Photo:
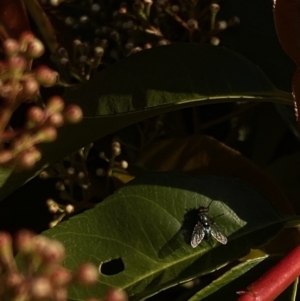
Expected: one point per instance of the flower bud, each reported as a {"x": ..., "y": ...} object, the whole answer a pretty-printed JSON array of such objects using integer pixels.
[
  {"x": 214, "y": 41},
  {"x": 116, "y": 295},
  {"x": 5, "y": 156},
  {"x": 87, "y": 274},
  {"x": 45, "y": 134},
  {"x": 124, "y": 164},
  {"x": 53, "y": 253},
  {"x": 25, "y": 38},
  {"x": 45, "y": 76},
  {"x": 24, "y": 241},
  {"x": 73, "y": 114},
  {"x": 55, "y": 104},
  {"x": 16, "y": 66},
  {"x": 69, "y": 209},
  {"x": 56, "y": 120},
  {"x": 214, "y": 7},
  {"x": 11, "y": 47},
  {"x": 44, "y": 175},
  {"x": 55, "y": 2},
  {"x": 116, "y": 148},
  {"x": 30, "y": 87},
  {"x": 52, "y": 206},
  {"x": 192, "y": 24},
  {"x": 27, "y": 159},
  {"x": 98, "y": 51},
  {"x": 40, "y": 288},
  {"x": 60, "y": 277},
  {"x": 35, "y": 49},
  {"x": 35, "y": 116},
  {"x": 221, "y": 25}
]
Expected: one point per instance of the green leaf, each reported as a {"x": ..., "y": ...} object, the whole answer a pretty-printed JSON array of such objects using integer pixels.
[
  {"x": 239, "y": 278},
  {"x": 150, "y": 83},
  {"x": 227, "y": 278},
  {"x": 147, "y": 225}
]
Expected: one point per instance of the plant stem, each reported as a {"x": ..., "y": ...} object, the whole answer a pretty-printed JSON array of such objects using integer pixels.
[{"x": 276, "y": 280}]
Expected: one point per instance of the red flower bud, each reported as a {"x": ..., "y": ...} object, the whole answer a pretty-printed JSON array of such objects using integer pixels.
[
  {"x": 35, "y": 48},
  {"x": 87, "y": 274},
  {"x": 11, "y": 47},
  {"x": 45, "y": 76},
  {"x": 73, "y": 114}
]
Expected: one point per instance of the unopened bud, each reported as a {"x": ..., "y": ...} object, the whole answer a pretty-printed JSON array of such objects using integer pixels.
[
  {"x": 221, "y": 25},
  {"x": 55, "y": 104},
  {"x": 116, "y": 148},
  {"x": 214, "y": 41},
  {"x": 5, "y": 156},
  {"x": 60, "y": 277},
  {"x": 45, "y": 76},
  {"x": 40, "y": 288},
  {"x": 147, "y": 46},
  {"x": 16, "y": 65},
  {"x": 28, "y": 159},
  {"x": 53, "y": 253},
  {"x": 124, "y": 164},
  {"x": 98, "y": 51},
  {"x": 162, "y": 43},
  {"x": 44, "y": 175},
  {"x": 214, "y": 7},
  {"x": 84, "y": 19},
  {"x": 116, "y": 295},
  {"x": 35, "y": 115},
  {"x": 87, "y": 274},
  {"x": 71, "y": 171},
  {"x": 52, "y": 206},
  {"x": 69, "y": 209},
  {"x": 35, "y": 49},
  {"x": 11, "y": 47},
  {"x": 192, "y": 24},
  {"x": 25, "y": 38},
  {"x": 24, "y": 241},
  {"x": 30, "y": 87},
  {"x": 56, "y": 120},
  {"x": 45, "y": 134},
  {"x": 73, "y": 114}
]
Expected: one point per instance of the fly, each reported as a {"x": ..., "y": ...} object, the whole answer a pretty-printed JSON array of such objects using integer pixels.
[{"x": 206, "y": 228}]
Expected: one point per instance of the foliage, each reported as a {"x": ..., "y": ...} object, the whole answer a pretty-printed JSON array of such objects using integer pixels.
[{"x": 185, "y": 86}]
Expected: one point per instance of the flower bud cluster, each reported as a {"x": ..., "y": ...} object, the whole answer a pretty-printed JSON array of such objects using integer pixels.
[
  {"x": 113, "y": 33},
  {"x": 42, "y": 277},
  {"x": 41, "y": 127},
  {"x": 59, "y": 211},
  {"x": 112, "y": 163},
  {"x": 19, "y": 84}
]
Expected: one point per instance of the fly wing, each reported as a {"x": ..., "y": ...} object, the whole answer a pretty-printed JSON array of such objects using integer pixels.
[
  {"x": 217, "y": 234},
  {"x": 197, "y": 235}
]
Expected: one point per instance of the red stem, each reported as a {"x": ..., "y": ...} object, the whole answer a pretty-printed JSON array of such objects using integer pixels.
[{"x": 276, "y": 280}]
